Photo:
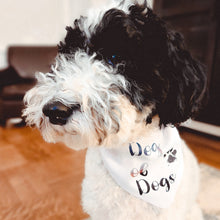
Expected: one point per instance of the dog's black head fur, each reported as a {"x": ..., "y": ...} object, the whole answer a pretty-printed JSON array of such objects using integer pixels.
[{"x": 152, "y": 58}]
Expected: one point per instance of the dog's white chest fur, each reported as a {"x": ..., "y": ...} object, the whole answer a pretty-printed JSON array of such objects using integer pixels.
[{"x": 149, "y": 168}]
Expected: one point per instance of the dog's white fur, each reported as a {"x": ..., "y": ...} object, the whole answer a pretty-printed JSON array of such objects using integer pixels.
[{"x": 79, "y": 78}]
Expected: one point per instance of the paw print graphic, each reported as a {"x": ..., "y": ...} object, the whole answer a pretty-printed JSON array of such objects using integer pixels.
[{"x": 170, "y": 155}]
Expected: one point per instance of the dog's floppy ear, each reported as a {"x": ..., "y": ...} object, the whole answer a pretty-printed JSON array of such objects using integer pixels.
[
  {"x": 177, "y": 80},
  {"x": 185, "y": 82}
]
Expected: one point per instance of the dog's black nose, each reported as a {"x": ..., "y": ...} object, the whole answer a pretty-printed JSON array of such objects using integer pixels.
[{"x": 58, "y": 113}]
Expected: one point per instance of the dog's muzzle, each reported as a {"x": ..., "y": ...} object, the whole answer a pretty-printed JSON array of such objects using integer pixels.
[{"x": 58, "y": 113}]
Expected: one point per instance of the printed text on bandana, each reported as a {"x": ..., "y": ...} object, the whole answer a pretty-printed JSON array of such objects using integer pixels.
[
  {"x": 150, "y": 168},
  {"x": 141, "y": 174}
]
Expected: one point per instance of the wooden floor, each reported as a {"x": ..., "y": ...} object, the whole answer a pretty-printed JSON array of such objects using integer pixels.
[
  {"x": 43, "y": 181},
  {"x": 38, "y": 180},
  {"x": 206, "y": 149}
]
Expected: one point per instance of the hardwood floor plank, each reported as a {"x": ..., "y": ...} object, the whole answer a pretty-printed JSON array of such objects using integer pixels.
[
  {"x": 10, "y": 157},
  {"x": 206, "y": 149},
  {"x": 8, "y": 196}
]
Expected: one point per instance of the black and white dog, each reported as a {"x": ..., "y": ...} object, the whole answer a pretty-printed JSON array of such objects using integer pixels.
[{"x": 120, "y": 84}]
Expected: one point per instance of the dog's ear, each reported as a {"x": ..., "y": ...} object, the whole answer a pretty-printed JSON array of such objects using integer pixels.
[
  {"x": 185, "y": 82},
  {"x": 177, "y": 80}
]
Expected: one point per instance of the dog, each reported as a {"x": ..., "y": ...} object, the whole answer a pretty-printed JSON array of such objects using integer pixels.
[{"x": 121, "y": 83}]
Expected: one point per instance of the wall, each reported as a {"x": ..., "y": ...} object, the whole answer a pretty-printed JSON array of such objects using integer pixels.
[{"x": 37, "y": 22}]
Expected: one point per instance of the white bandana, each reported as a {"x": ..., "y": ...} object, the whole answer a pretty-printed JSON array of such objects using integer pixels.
[{"x": 150, "y": 168}]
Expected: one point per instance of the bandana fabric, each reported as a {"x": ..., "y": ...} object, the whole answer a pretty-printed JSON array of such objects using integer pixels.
[{"x": 150, "y": 168}]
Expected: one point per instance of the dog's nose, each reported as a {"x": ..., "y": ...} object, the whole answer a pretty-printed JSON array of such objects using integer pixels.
[{"x": 58, "y": 113}]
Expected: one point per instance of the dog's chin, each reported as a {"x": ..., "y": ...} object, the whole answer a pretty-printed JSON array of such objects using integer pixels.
[{"x": 67, "y": 134}]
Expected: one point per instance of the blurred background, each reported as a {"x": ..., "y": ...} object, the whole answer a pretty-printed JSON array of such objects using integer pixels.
[
  {"x": 30, "y": 31},
  {"x": 35, "y": 182}
]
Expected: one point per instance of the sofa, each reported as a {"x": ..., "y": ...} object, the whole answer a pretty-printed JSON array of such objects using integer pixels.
[{"x": 19, "y": 77}]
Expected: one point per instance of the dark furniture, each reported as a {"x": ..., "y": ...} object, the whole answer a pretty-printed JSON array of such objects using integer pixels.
[
  {"x": 198, "y": 21},
  {"x": 20, "y": 77}
]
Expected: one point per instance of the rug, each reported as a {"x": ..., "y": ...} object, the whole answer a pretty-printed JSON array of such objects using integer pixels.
[{"x": 209, "y": 196}]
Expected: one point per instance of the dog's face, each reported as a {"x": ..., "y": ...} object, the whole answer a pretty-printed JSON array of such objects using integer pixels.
[{"x": 116, "y": 68}]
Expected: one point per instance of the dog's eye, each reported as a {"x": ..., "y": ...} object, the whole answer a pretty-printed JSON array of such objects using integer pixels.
[{"x": 112, "y": 60}]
